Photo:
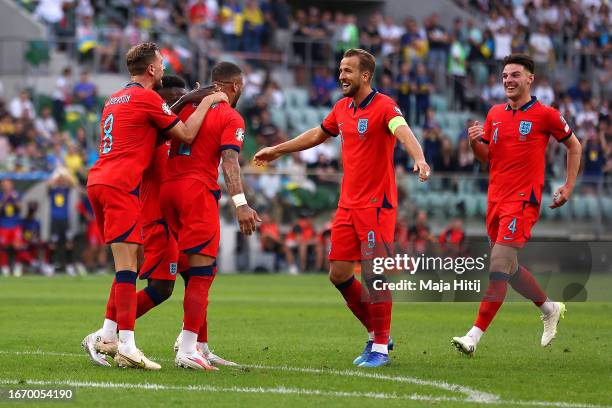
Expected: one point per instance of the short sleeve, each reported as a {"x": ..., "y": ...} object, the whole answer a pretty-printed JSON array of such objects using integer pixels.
[
  {"x": 233, "y": 132},
  {"x": 393, "y": 116},
  {"x": 486, "y": 137},
  {"x": 557, "y": 125},
  {"x": 330, "y": 123},
  {"x": 159, "y": 112}
]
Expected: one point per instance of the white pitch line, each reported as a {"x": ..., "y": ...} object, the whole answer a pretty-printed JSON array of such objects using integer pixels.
[
  {"x": 470, "y": 393},
  {"x": 247, "y": 390},
  {"x": 490, "y": 399}
]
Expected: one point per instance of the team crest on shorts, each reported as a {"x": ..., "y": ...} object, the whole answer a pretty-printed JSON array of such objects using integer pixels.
[
  {"x": 362, "y": 126},
  {"x": 525, "y": 127},
  {"x": 173, "y": 268}
]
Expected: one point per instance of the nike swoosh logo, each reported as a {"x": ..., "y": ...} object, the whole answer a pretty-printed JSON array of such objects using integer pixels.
[
  {"x": 340, "y": 124},
  {"x": 139, "y": 364},
  {"x": 507, "y": 239},
  {"x": 496, "y": 123}
]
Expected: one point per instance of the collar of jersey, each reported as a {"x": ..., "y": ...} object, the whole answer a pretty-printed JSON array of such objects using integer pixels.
[
  {"x": 525, "y": 106},
  {"x": 366, "y": 101},
  {"x": 131, "y": 84}
]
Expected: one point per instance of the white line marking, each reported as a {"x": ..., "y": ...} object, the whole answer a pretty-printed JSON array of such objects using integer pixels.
[{"x": 472, "y": 395}]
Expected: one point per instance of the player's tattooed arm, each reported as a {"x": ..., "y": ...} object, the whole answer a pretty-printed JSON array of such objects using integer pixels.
[{"x": 247, "y": 217}]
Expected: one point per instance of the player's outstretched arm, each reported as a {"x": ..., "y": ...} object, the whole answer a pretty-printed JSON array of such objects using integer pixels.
[
  {"x": 574, "y": 153},
  {"x": 404, "y": 134},
  {"x": 306, "y": 140},
  {"x": 186, "y": 132},
  {"x": 247, "y": 217},
  {"x": 480, "y": 149}
]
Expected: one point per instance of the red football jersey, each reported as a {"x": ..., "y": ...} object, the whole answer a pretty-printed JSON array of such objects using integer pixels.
[
  {"x": 367, "y": 150},
  {"x": 130, "y": 121},
  {"x": 223, "y": 128},
  {"x": 152, "y": 178},
  {"x": 517, "y": 142}
]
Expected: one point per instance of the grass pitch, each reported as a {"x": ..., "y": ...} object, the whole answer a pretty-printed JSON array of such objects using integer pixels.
[{"x": 297, "y": 340}]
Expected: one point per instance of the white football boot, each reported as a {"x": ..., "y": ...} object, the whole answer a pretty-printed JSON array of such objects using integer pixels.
[
  {"x": 6, "y": 271},
  {"x": 195, "y": 361},
  {"x": 89, "y": 345},
  {"x": 218, "y": 361},
  {"x": 18, "y": 270},
  {"x": 465, "y": 344},
  {"x": 550, "y": 323},
  {"x": 135, "y": 360}
]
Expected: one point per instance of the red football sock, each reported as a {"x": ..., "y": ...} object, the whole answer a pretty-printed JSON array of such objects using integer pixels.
[
  {"x": 525, "y": 284},
  {"x": 111, "y": 310},
  {"x": 203, "y": 333},
  {"x": 492, "y": 300},
  {"x": 144, "y": 300},
  {"x": 196, "y": 297},
  {"x": 358, "y": 300},
  {"x": 3, "y": 258},
  {"x": 125, "y": 299},
  {"x": 381, "y": 321}
]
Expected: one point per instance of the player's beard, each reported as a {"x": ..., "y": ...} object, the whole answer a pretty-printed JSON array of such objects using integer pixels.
[
  {"x": 351, "y": 91},
  {"x": 236, "y": 98}
]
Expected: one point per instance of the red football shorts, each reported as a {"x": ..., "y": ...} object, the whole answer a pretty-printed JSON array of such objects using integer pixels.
[
  {"x": 510, "y": 223},
  {"x": 191, "y": 210},
  {"x": 364, "y": 233},
  {"x": 161, "y": 254},
  {"x": 117, "y": 214},
  {"x": 11, "y": 236}
]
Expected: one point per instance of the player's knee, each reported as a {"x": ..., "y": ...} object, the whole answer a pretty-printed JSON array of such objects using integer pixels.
[
  {"x": 339, "y": 274},
  {"x": 163, "y": 289}
]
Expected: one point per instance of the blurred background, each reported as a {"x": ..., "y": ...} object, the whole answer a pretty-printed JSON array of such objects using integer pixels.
[{"x": 440, "y": 60}]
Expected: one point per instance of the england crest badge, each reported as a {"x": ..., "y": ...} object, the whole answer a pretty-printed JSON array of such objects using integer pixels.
[
  {"x": 362, "y": 126},
  {"x": 525, "y": 127}
]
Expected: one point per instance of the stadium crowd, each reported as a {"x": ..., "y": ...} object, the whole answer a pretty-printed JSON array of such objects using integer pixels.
[{"x": 569, "y": 40}]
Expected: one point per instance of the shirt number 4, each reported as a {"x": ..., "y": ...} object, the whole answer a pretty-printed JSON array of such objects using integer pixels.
[{"x": 107, "y": 140}]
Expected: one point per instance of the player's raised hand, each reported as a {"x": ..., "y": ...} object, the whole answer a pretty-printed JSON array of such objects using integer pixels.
[
  {"x": 423, "y": 169},
  {"x": 216, "y": 98},
  {"x": 561, "y": 196},
  {"x": 247, "y": 219},
  {"x": 265, "y": 155},
  {"x": 475, "y": 132}
]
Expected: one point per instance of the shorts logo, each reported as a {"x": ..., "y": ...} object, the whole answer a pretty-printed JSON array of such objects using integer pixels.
[
  {"x": 525, "y": 128},
  {"x": 240, "y": 134},
  {"x": 173, "y": 268},
  {"x": 362, "y": 126},
  {"x": 166, "y": 109}
]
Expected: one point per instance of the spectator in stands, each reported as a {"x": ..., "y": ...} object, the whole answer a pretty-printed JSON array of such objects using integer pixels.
[
  {"x": 369, "y": 38},
  {"x": 267, "y": 133},
  {"x": 439, "y": 43},
  {"x": 503, "y": 43},
  {"x": 587, "y": 115},
  {"x": 419, "y": 235},
  {"x": 493, "y": 93},
  {"x": 253, "y": 26},
  {"x": 62, "y": 95},
  {"x": 387, "y": 87},
  {"x": 323, "y": 84},
  {"x": 323, "y": 247},
  {"x": 33, "y": 244},
  {"x": 430, "y": 120},
  {"x": 302, "y": 240},
  {"x": 544, "y": 92},
  {"x": 447, "y": 162},
  {"x": 594, "y": 160},
  {"x": 232, "y": 20},
  {"x": 85, "y": 92},
  {"x": 403, "y": 85},
  {"x": 348, "y": 36},
  {"x": 95, "y": 254},
  {"x": 280, "y": 16},
  {"x": 272, "y": 242},
  {"x": 108, "y": 48},
  {"x": 73, "y": 160},
  {"x": 432, "y": 147},
  {"x": 390, "y": 34},
  {"x": 413, "y": 45},
  {"x": 45, "y": 124},
  {"x": 452, "y": 239},
  {"x": 457, "y": 69},
  {"x": 86, "y": 37},
  {"x": 465, "y": 156},
  {"x": 21, "y": 107},
  {"x": 541, "y": 48},
  {"x": 423, "y": 87}
]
